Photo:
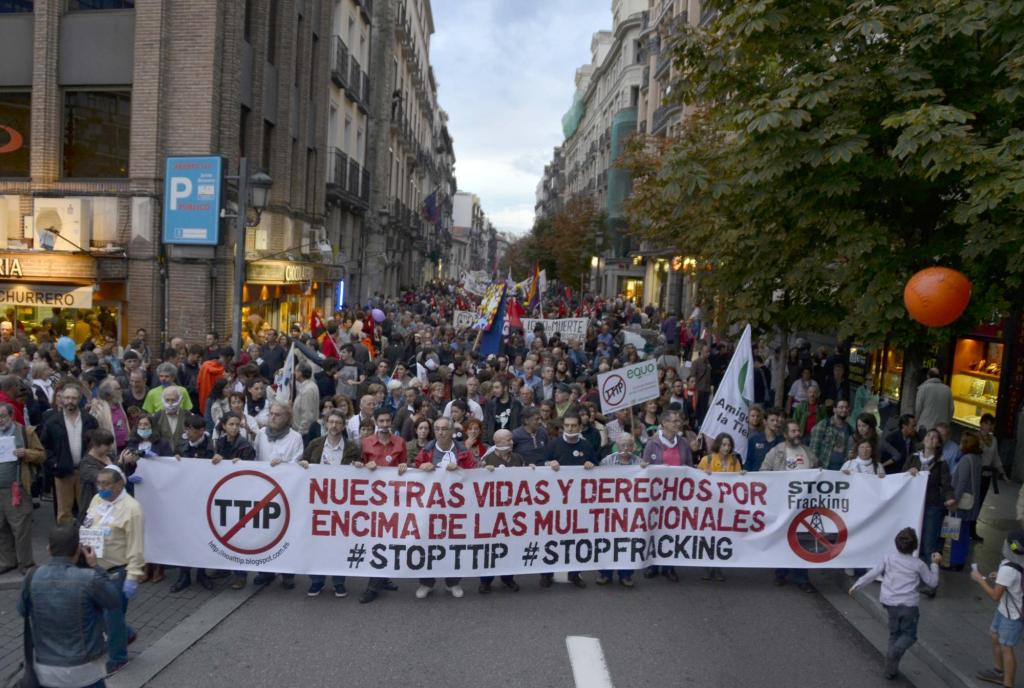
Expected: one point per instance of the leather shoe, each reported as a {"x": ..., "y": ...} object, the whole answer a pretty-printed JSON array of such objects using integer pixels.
[
  {"x": 578, "y": 581},
  {"x": 182, "y": 583},
  {"x": 389, "y": 585},
  {"x": 545, "y": 581},
  {"x": 513, "y": 586},
  {"x": 484, "y": 588},
  {"x": 205, "y": 582},
  {"x": 367, "y": 597},
  {"x": 672, "y": 575}
]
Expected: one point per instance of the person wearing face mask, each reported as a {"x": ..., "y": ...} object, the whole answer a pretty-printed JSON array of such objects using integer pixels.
[
  {"x": 96, "y": 458},
  {"x": 444, "y": 453},
  {"x": 169, "y": 423},
  {"x": 167, "y": 374},
  {"x": 15, "y": 498},
  {"x": 570, "y": 449},
  {"x": 501, "y": 455},
  {"x": 117, "y": 518}
]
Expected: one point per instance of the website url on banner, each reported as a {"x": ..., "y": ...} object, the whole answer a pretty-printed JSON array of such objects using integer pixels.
[{"x": 247, "y": 561}]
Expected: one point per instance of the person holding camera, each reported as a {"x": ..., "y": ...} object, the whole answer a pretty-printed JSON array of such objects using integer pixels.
[{"x": 64, "y": 605}]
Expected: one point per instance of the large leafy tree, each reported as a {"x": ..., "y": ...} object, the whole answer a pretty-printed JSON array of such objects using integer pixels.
[
  {"x": 561, "y": 244},
  {"x": 834, "y": 148}
]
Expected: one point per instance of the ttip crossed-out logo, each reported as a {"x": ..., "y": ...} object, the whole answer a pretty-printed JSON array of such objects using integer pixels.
[{"x": 248, "y": 512}]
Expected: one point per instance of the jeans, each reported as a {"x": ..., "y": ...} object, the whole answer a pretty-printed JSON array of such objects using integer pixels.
[
  {"x": 118, "y": 630},
  {"x": 320, "y": 580},
  {"x": 931, "y": 532},
  {"x": 902, "y": 629},
  {"x": 798, "y": 576},
  {"x": 624, "y": 574},
  {"x": 507, "y": 580}
]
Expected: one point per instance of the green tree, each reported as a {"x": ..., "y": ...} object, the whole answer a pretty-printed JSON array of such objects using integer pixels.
[{"x": 834, "y": 149}]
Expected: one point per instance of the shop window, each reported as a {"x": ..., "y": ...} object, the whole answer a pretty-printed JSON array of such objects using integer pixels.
[
  {"x": 7, "y": 6},
  {"x": 15, "y": 122},
  {"x": 84, "y": 5},
  {"x": 977, "y": 369},
  {"x": 97, "y": 133}
]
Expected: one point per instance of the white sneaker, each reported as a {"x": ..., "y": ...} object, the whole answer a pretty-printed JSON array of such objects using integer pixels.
[
  {"x": 456, "y": 591},
  {"x": 422, "y": 592},
  {"x": 850, "y": 572}
]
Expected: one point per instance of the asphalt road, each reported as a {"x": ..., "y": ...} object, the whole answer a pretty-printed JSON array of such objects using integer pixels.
[{"x": 743, "y": 632}]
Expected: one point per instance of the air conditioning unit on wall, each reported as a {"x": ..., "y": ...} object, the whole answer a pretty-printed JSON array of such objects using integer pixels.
[{"x": 63, "y": 221}]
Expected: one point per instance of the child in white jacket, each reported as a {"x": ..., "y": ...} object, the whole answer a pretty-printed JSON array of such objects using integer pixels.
[{"x": 901, "y": 574}]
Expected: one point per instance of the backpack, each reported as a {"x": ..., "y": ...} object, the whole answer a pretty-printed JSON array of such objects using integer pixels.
[{"x": 1019, "y": 569}]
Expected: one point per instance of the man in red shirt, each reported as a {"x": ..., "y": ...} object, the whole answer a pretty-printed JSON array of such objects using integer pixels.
[{"x": 382, "y": 449}]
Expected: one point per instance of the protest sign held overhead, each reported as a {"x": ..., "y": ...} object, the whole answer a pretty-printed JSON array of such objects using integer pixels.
[{"x": 628, "y": 386}]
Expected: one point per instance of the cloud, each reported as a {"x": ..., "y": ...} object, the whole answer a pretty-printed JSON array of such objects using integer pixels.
[{"x": 505, "y": 71}]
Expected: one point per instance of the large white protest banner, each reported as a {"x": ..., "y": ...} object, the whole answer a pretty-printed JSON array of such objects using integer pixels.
[
  {"x": 348, "y": 521},
  {"x": 567, "y": 328},
  {"x": 729, "y": 408},
  {"x": 463, "y": 320},
  {"x": 625, "y": 387}
]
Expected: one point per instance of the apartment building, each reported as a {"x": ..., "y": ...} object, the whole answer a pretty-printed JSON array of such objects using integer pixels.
[
  {"x": 597, "y": 126},
  {"x": 411, "y": 158},
  {"x": 95, "y": 95}
]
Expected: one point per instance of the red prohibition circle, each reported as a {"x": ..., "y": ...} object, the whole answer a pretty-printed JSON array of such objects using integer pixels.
[
  {"x": 613, "y": 381},
  {"x": 832, "y": 549},
  {"x": 226, "y": 541}
]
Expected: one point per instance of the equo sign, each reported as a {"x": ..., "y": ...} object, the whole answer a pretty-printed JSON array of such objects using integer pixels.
[{"x": 628, "y": 386}]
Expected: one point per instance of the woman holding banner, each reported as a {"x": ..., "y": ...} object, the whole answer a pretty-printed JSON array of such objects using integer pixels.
[{"x": 720, "y": 460}]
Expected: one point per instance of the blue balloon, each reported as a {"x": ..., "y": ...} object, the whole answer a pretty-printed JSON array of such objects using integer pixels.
[{"x": 66, "y": 348}]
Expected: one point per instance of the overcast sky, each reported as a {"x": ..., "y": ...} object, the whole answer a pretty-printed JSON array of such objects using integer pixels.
[{"x": 505, "y": 72}]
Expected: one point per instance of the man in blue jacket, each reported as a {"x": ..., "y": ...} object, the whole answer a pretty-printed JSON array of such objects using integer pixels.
[{"x": 65, "y": 605}]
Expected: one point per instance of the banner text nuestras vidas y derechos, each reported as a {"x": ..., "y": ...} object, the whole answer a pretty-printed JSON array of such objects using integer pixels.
[{"x": 348, "y": 521}]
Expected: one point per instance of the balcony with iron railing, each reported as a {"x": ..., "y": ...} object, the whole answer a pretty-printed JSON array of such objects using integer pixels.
[
  {"x": 339, "y": 63},
  {"x": 337, "y": 174},
  {"x": 663, "y": 64},
  {"x": 355, "y": 82},
  {"x": 662, "y": 116}
]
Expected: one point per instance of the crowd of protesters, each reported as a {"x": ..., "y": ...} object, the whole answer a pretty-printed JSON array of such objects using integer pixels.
[{"x": 395, "y": 385}]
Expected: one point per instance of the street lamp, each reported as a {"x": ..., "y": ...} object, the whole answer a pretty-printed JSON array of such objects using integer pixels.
[{"x": 257, "y": 198}]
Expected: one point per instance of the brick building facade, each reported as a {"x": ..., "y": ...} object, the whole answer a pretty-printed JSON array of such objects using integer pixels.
[{"x": 100, "y": 98}]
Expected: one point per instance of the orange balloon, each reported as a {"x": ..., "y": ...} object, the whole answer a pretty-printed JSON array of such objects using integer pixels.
[{"x": 935, "y": 297}]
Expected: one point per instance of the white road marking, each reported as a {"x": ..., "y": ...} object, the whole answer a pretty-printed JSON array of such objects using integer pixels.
[{"x": 589, "y": 668}]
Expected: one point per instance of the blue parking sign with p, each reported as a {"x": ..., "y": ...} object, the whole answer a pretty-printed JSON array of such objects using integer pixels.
[{"x": 192, "y": 187}]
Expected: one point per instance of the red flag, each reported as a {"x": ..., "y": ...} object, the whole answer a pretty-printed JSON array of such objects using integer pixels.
[
  {"x": 315, "y": 323},
  {"x": 515, "y": 313},
  {"x": 327, "y": 347},
  {"x": 568, "y": 293},
  {"x": 562, "y": 310}
]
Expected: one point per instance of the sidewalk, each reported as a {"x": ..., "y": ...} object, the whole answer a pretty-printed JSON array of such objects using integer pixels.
[
  {"x": 153, "y": 613},
  {"x": 953, "y": 639}
]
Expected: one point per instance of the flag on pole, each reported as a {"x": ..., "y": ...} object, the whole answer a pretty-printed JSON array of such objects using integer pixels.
[
  {"x": 284, "y": 379},
  {"x": 490, "y": 342},
  {"x": 729, "y": 409}
]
